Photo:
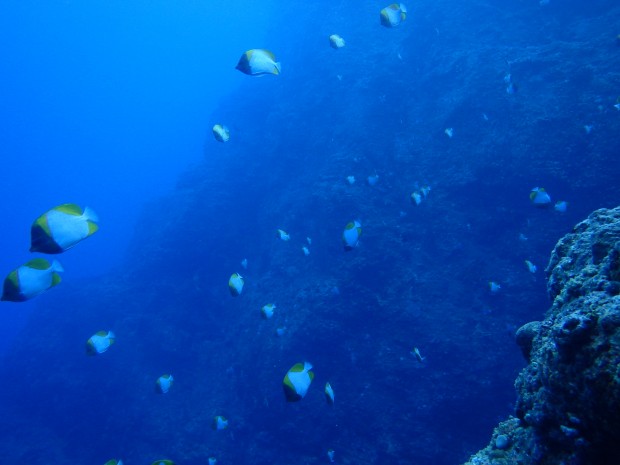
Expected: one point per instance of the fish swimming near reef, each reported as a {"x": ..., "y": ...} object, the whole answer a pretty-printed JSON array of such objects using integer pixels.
[
  {"x": 61, "y": 228},
  {"x": 258, "y": 62},
  {"x": 31, "y": 279}
]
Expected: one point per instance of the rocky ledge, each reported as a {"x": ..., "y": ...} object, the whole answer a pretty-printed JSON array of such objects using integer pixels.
[{"x": 568, "y": 405}]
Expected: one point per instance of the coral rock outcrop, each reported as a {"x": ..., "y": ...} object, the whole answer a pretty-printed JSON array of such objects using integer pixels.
[{"x": 568, "y": 406}]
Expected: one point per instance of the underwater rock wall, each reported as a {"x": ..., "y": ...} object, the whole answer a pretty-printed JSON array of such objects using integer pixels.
[
  {"x": 569, "y": 394},
  {"x": 419, "y": 278}
]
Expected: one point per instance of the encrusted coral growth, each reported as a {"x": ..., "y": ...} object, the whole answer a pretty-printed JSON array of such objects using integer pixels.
[{"x": 569, "y": 395}]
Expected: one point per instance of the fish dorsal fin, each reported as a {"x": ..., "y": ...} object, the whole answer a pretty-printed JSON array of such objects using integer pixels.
[
  {"x": 38, "y": 264},
  {"x": 101, "y": 333},
  {"x": 269, "y": 53},
  {"x": 298, "y": 367},
  {"x": 69, "y": 209}
]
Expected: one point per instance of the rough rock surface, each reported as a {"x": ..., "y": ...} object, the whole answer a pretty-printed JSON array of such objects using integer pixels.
[{"x": 568, "y": 403}]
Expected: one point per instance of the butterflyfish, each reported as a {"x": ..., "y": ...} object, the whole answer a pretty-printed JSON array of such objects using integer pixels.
[
  {"x": 221, "y": 133},
  {"x": 164, "y": 383},
  {"x": 235, "y": 284},
  {"x": 99, "y": 342},
  {"x": 61, "y": 228},
  {"x": 335, "y": 41},
  {"x": 393, "y": 15},
  {"x": 297, "y": 381},
  {"x": 257, "y": 62},
  {"x": 351, "y": 235},
  {"x": 329, "y": 394},
  {"x": 31, "y": 279},
  {"x": 219, "y": 423}
]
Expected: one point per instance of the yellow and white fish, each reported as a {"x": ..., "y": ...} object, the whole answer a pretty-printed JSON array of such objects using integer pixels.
[
  {"x": 329, "y": 394},
  {"x": 221, "y": 133},
  {"x": 100, "y": 342},
  {"x": 267, "y": 311},
  {"x": 335, "y": 41},
  {"x": 297, "y": 381},
  {"x": 61, "y": 228},
  {"x": 164, "y": 383},
  {"x": 114, "y": 462},
  {"x": 235, "y": 284},
  {"x": 530, "y": 266},
  {"x": 351, "y": 235},
  {"x": 31, "y": 279},
  {"x": 393, "y": 15},
  {"x": 539, "y": 197},
  {"x": 416, "y": 353},
  {"x": 257, "y": 62},
  {"x": 283, "y": 235},
  {"x": 219, "y": 423}
]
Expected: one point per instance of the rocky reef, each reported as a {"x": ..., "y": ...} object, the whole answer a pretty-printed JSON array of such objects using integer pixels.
[{"x": 569, "y": 394}]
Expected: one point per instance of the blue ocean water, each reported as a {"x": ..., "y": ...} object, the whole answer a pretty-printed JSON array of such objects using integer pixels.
[{"x": 110, "y": 105}]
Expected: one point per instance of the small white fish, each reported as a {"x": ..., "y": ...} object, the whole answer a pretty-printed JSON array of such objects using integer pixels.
[
  {"x": 485, "y": 117},
  {"x": 351, "y": 235},
  {"x": 281, "y": 330},
  {"x": 416, "y": 197},
  {"x": 221, "y": 133},
  {"x": 530, "y": 266},
  {"x": 339, "y": 76},
  {"x": 449, "y": 132},
  {"x": 235, "y": 284},
  {"x": 309, "y": 241},
  {"x": 351, "y": 179},
  {"x": 212, "y": 460},
  {"x": 540, "y": 197},
  {"x": 393, "y": 15},
  {"x": 329, "y": 394},
  {"x": 561, "y": 206},
  {"x": 297, "y": 381},
  {"x": 267, "y": 311},
  {"x": 494, "y": 287},
  {"x": 331, "y": 455},
  {"x": 372, "y": 179},
  {"x": 617, "y": 106},
  {"x": 100, "y": 342},
  {"x": 588, "y": 128},
  {"x": 283, "y": 235},
  {"x": 305, "y": 250},
  {"x": 416, "y": 353},
  {"x": 244, "y": 263},
  {"x": 219, "y": 423},
  {"x": 335, "y": 41},
  {"x": 522, "y": 237},
  {"x": 164, "y": 383},
  {"x": 257, "y": 62}
]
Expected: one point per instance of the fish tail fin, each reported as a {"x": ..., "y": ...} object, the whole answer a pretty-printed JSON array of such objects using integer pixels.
[
  {"x": 56, "y": 266},
  {"x": 307, "y": 366},
  {"x": 89, "y": 214},
  {"x": 278, "y": 67}
]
